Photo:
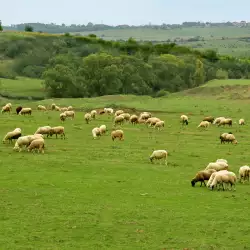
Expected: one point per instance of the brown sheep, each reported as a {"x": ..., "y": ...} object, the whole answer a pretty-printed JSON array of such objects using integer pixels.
[
  {"x": 133, "y": 119},
  {"x": 209, "y": 119},
  {"x": 18, "y": 109},
  {"x": 117, "y": 134},
  {"x": 202, "y": 176}
]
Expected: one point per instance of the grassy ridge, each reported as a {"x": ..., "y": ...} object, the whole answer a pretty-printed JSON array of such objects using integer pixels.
[{"x": 98, "y": 194}]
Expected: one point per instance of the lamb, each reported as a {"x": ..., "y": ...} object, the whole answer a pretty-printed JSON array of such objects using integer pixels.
[
  {"x": 93, "y": 113},
  {"x": 63, "y": 117},
  {"x": 117, "y": 134},
  {"x": 37, "y": 144},
  {"x": 25, "y": 111},
  {"x": 218, "y": 120},
  {"x": 18, "y": 109},
  {"x": 119, "y": 120},
  {"x": 227, "y": 121},
  {"x": 5, "y": 109},
  {"x": 103, "y": 129},
  {"x": 70, "y": 114},
  {"x": 133, "y": 119},
  {"x": 209, "y": 119},
  {"x": 217, "y": 166},
  {"x": 119, "y": 112},
  {"x": 204, "y": 124},
  {"x": 241, "y": 122},
  {"x": 70, "y": 108},
  {"x": 184, "y": 119},
  {"x": 159, "y": 125},
  {"x": 159, "y": 154},
  {"x": 108, "y": 111},
  {"x": 244, "y": 173},
  {"x": 43, "y": 130},
  {"x": 87, "y": 117},
  {"x": 25, "y": 141},
  {"x": 96, "y": 132},
  {"x": 13, "y": 135},
  {"x": 201, "y": 176},
  {"x": 41, "y": 107},
  {"x": 59, "y": 130},
  {"x": 221, "y": 178}
]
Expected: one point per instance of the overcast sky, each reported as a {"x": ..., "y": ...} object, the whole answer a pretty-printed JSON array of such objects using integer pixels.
[{"x": 114, "y": 12}]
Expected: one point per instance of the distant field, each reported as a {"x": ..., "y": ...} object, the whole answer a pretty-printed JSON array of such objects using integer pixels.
[
  {"x": 227, "y": 82},
  {"x": 22, "y": 87},
  {"x": 161, "y": 35}
]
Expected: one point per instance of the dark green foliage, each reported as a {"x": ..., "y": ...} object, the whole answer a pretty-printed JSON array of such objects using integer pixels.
[
  {"x": 77, "y": 66},
  {"x": 1, "y": 27},
  {"x": 28, "y": 28}
]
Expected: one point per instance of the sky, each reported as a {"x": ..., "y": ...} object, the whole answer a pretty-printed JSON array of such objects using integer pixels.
[{"x": 115, "y": 12}]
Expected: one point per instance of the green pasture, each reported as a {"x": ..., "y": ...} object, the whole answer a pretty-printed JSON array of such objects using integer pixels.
[{"x": 99, "y": 194}]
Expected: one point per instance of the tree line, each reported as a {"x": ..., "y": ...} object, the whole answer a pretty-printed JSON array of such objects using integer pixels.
[{"x": 73, "y": 66}]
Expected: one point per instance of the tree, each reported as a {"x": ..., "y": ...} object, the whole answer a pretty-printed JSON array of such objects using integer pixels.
[
  {"x": 1, "y": 27},
  {"x": 28, "y": 28}
]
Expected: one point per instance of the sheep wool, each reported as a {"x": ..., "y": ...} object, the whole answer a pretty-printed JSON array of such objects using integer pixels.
[{"x": 159, "y": 154}]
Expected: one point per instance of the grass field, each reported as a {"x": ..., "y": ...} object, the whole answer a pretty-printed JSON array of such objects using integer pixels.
[
  {"x": 22, "y": 87},
  {"x": 99, "y": 194}
]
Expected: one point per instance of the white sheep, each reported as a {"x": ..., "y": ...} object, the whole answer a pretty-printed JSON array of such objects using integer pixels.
[
  {"x": 204, "y": 124},
  {"x": 13, "y": 135},
  {"x": 244, "y": 173},
  {"x": 87, "y": 117},
  {"x": 152, "y": 121},
  {"x": 241, "y": 122},
  {"x": 108, "y": 111},
  {"x": 126, "y": 116},
  {"x": 70, "y": 108},
  {"x": 103, "y": 129},
  {"x": 218, "y": 120},
  {"x": 184, "y": 119},
  {"x": 41, "y": 107},
  {"x": 6, "y": 109},
  {"x": 159, "y": 125},
  {"x": 70, "y": 113},
  {"x": 119, "y": 112},
  {"x": 93, "y": 113},
  {"x": 45, "y": 130},
  {"x": 96, "y": 132},
  {"x": 59, "y": 130},
  {"x": 117, "y": 134},
  {"x": 221, "y": 178},
  {"x": 231, "y": 138},
  {"x": 25, "y": 141},
  {"x": 221, "y": 160},
  {"x": 37, "y": 144},
  {"x": 63, "y": 117},
  {"x": 226, "y": 121},
  {"x": 25, "y": 111},
  {"x": 217, "y": 166},
  {"x": 133, "y": 119},
  {"x": 159, "y": 154},
  {"x": 119, "y": 120}
]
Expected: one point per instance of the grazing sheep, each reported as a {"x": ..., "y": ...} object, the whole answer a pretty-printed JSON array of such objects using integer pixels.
[
  {"x": 159, "y": 154},
  {"x": 9, "y": 105},
  {"x": 18, "y": 109},
  {"x": 202, "y": 176},
  {"x": 184, "y": 119},
  {"x": 45, "y": 130},
  {"x": 152, "y": 121},
  {"x": 87, "y": 117},
  {"x": 227, "y": 121},
  {"x": 57, "y": 108},
  {"x": 218, "y": 120},
  {"x": 53, "y": 106},
  {"x": 217, "y": 166},
  {"x": 133, "y": 119},
  {"x": 59, "y": 130},
  {"x": 108, "y": 111},
  {"x": 204, "y": 124},
  {"x": 223, "y": 137},
  {"x": 70, "y": 114},
  {"x": 244, "y": 173},
  {"x": 101, "y": 112},
  {"x": 221, "y": 160},
  {"x": 103, "y": 129},
  {"x": 93, "y": 113},
  {"x": 119, "y": 112},
  {"x": 6, "y": 109},
  {"x": 145, "y": 115},
  {"x": 37, "y": 144},
  {"x": 141, "y": 121},
  {"x": 117, "y": 134},
  {"x": 25, "y": 111},
  {"x": 126, "y": 116},
  {"x": 221, "y": 178},
  {"x": 63, "y": 117},
  {"x": 241, "y": 122},
  {"x": 159, "y": 125},
  {"x": 119, "y": 120},
  {"x": 209, "y": 119},
  {"x": 231, "y": 138},
  {"x": 70, "y": 108},
  {"x": 25, "y": 141},
  {"x": 41, "y": 107},
  {"x": 63, "y": 109},
  {"x": 13, "y": 135},
  {"x": 96, "y": 132},
  {"x": 213, "y": 175}
]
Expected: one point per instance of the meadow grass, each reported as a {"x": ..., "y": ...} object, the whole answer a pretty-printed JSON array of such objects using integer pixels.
[
  {"x": 22, "y": 87},
  {"x": 99, "y": 194}
]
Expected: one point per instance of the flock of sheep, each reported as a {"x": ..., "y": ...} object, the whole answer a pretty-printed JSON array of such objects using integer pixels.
[{"x": 216, "y": 173}]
